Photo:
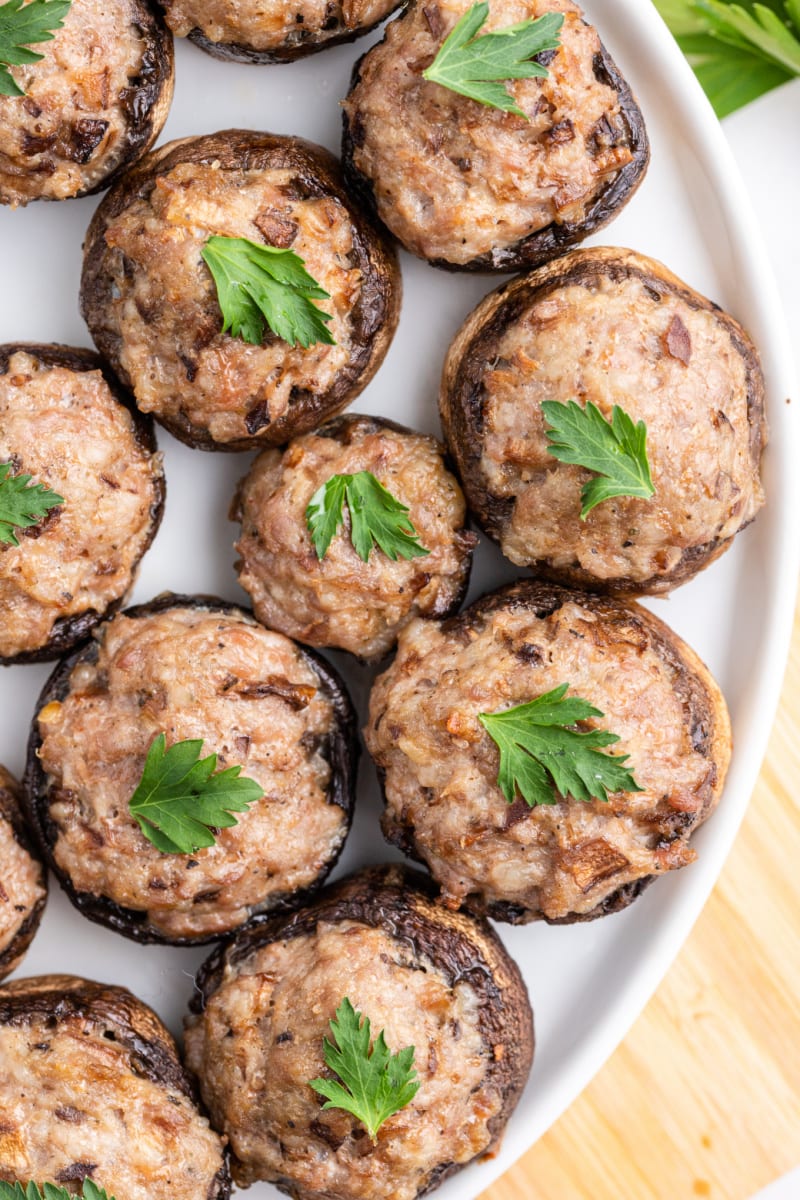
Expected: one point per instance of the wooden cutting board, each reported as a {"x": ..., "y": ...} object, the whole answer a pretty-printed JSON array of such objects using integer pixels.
[{"x": 703, "y": 1096}]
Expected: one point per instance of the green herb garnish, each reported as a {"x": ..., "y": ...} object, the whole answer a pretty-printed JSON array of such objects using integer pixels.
[
  {"x": 22, "y": 26},
  {"x": 258, "y": 284},
  {"x": 22, "y": 506},
  {"x": 479, "y": 67},
  {"x": 50, "y": 1191},
  {"x": 376, "y": 517},
  {"x": 540, "y": 750},
  {"x": 738, "y": 50},
  {"x": 180, "y": 800},
  {"x": 375, "y": 1083},
  {"x": 615, "y": 450}
]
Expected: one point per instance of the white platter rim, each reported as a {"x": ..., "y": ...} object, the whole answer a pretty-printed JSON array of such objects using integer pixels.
[{"x": 693, "y": 111}]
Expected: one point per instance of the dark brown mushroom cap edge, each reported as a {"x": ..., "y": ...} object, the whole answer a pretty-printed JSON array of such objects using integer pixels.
[
  {"x": 69, "y": 631},
  {"x": 401, "y": 902},
  {"x": 10, "y": 811},
  {"x": 341, "y": 752},
  {"x": 554, "y": 239},
  {"x": 705, "y": 720},
  {"x": 318, "y": 173},
  {"x": 309, "y": 43},
  {"x": 132, "y": 1023},
  {"x": 148, "y": 98},
  {"x": 461, "y": 397}
]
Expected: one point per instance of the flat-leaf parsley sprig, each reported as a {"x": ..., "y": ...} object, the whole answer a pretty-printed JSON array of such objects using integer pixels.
[
  {"x": 541, "y": 753},
  {"x": 738, "y": 50},
  {"x": 180, "y": 800},
  {"x": 258, "y": 284},
  {"x": 376, "y": 517},
  {"x": 375, "y": 1084},
  {"x": 479, "y": 67},
  {"x": 22, "y": 506},
  {"x": 615, "y": 450},
  {"x": 22, "y": 26},
  {"x": 50, "y": 1191}
]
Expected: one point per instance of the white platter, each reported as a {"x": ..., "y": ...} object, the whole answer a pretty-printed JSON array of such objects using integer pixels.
[{"x": 587, "y": 983}]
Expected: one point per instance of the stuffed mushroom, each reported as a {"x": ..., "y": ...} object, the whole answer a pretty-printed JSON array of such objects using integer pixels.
[
  {"x": 246, "y": 31},
  {"x": 92, "y": 104},
  {"x": 328, "y": 595},
  {"x": 156, "y": 311},
  {"x": 437, "y": 981},
  {"x": 472, "y": 187},
  {"x": 69, "y": 429},
  {"x": 23, "y": 882},
  {"x": 208, "y": 680},
  {"x": 472, "y": 785},
  {"x": 616, "y": 331},
  {"x": 91, "y": 1086}
]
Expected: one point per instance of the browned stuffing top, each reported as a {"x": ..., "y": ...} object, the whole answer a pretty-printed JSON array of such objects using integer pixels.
[
  {"x": 69, "y": 130},
  {"x": 440, "y": 765},
  {"x": 259, "y": 1042},
  {"x": 67, "y": 430},
  {"x": 341, "y": 600},
  {"x": 674, "y": 366},
  {"x": 179, "y": 362},
  {"x": 73, "y": 1103},
  {"x": 255, "y": 701},
  {"x": 455, "y": 180}
]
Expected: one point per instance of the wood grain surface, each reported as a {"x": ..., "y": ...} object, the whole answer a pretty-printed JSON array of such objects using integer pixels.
[{"x": 703, "y": 1096}]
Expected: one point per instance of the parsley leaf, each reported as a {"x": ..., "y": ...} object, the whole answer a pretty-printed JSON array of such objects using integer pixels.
[
  {"x": 730, "y": 77},
  {"x": 50, "y": 1191},
  {"x": 757, "y": 27},
  {"x": 22, "y": 26},
  {"x": 258, "y": 284},
  {"x": 376, "y": 516},
  {"x": 375, "y": 1083},
  {"x": 615, "y": 450},
  {"x": 738, "y": 50},
  {"x": 179, "y": 800},
  {"x": 539, "y": 750},
  {"x": 478, "y": 67},
  {"x": 21, "y": 506}
]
